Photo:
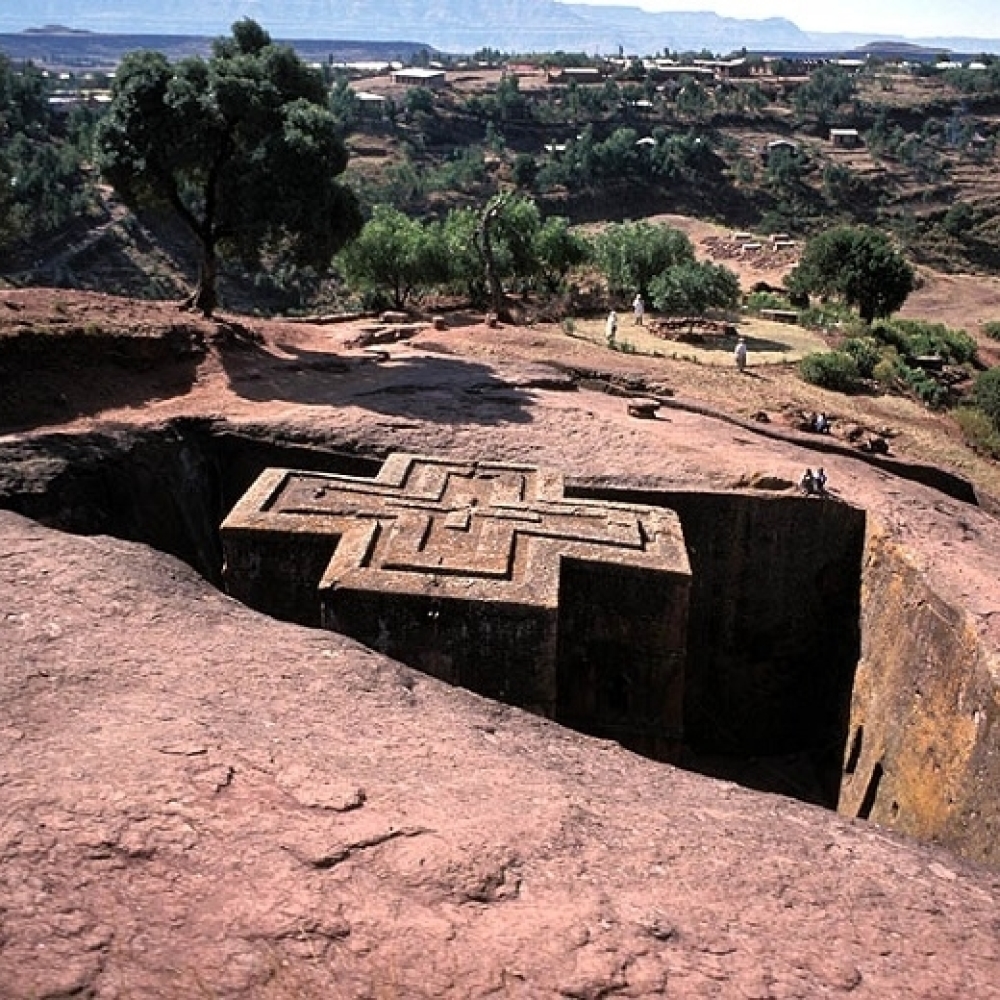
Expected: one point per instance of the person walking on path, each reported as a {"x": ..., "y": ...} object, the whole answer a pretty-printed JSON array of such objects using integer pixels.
[
  {"x": 638, "y": 308},
  {"x": 740, "y": 354},
  {"x": 611, "y": 328}
]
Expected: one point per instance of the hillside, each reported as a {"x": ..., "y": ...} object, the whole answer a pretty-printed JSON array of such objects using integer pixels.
[
  {"x": 543, "y": 673},
  {"x": 512, "y": 25}
]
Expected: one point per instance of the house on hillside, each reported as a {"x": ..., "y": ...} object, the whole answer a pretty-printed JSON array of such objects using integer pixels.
[
  {"x": 64, "y": 101},
  {"x": 845, "y": 138},
  {"x": 577, "y": 74},
  {"x": 371, "y": 107},
  {"x": 416, "y": 76},
  {"x": 778, "y": 146},
  {"x": 364, "y": 68},
  {"x": 666, "y": 69},
  {"x": 726, "y": 69}
]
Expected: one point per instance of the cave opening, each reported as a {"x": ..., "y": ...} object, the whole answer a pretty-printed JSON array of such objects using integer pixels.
[{"x": 773, "y": 629}]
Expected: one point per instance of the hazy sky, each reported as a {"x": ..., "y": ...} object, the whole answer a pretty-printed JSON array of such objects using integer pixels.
[{"x": 913, "y": 18}]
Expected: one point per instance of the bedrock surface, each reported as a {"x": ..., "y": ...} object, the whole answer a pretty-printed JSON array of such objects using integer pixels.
[{"x": 198, "y": 800}]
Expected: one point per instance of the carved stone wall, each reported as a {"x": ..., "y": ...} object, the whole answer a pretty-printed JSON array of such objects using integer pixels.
[{"x": 486, "y": 576}]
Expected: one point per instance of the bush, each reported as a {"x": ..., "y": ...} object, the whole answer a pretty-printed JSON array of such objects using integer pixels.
[
  {"x": 926, "y": 389},
  {"x": 986, "y": 394},
  {"x": 835, "y": 370},
  {"x": 756, "y": 301},
  {"x": 885, "y": 373},
  {"x": 992, "y": 329},
  {"x": 979, "y": 431},
  {"x": 828, "y": 315},
  {"x": 914, "y": 338},
  {"x": 865, "y": 351}
]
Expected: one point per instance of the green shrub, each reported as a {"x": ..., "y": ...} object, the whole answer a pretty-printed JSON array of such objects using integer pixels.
[
  {"x": 986, "y": 394},
  {"x": 831, "y": 370},
  {"x": 885, "y": 372},
  {"x": 865, "y": 351},
  {"x": 992, "y": 329},
  {"x": 914, "y": 338},
  {"x": 828, "y": 315},
  {"x": 979, "y": 431},
  {"x": 925, "y": 388},
  {"x": 756, "y": 301}
]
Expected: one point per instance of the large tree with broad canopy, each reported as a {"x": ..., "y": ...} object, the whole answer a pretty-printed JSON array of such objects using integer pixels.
[
  {"x": 858, "y": 265},
  {"x": 241, "y": 146}
]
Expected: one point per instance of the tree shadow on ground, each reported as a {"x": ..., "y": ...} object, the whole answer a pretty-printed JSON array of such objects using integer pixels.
[
  {"x": 435, "y": 388},
  {"x": 726, "y": 344},
  {"x": 49, "y": 379}
]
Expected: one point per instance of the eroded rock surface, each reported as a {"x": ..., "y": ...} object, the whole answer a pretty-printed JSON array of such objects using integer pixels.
[{"x": 197, "y": 800}]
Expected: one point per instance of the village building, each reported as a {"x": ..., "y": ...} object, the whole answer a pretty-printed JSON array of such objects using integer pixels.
[
  {"x": 845, "y": 138},
  {"x": 416, "y": 76},
  {"x": 576, "y": 74}
]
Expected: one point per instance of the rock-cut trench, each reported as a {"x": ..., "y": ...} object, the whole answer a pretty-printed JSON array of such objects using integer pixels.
[
  {"x": 773, "y": 620},
  {"x": 780, "y": 691}
]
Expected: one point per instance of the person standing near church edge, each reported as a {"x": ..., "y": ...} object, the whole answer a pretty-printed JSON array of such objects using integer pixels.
[{"x": 638, "y": 308}]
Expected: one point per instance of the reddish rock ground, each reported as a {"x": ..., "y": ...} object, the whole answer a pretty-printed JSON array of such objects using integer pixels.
[{"x": 198, "y": 801}]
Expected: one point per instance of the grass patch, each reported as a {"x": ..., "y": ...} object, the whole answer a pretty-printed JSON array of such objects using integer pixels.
[{"x": 979, "y": 431}]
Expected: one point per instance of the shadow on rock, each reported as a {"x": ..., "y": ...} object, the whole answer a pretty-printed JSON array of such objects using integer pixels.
[
  {"x": 51, "y": 377},
  {"x": 417, "y": 386}
]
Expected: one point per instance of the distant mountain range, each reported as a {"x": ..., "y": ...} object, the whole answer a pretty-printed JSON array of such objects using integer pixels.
[{"x": 457, "y": 25}]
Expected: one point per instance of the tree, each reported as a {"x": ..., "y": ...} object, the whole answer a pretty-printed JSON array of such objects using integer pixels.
[
  {"x": 419, "y": 101},
  {"x": 558, "y": 250},
  {"x": 43, "y": 183},
  {"x": 827, "y": 88},
  {"x": 465, "y": 268},
  {"x": 344, "y": 104},
  {"x": 524, "y": 170},
  {"x": 395, "y": 252},
  {"x": 693, "y": 288},
  {"x": 857, "y": 264},
  {"x": 23, "y": 99},
  {"x": 241, "y": 147},
  {"x": 505, "y": 240},
  {"x": 693, "y": 100},
  {"x": 959, "y": 220},
  {"x": 516, "y": 233},
  {"x": 631, "y": 254}
]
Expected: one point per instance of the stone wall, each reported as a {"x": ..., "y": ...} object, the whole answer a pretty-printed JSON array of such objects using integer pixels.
[
  {"x": 484, "y": 575},
  {"x": 773, "y": 628},
  {"x": 502, "y": 651},
  {"x": 923, "y": 754},
  {"x": 622, "y": 656}
]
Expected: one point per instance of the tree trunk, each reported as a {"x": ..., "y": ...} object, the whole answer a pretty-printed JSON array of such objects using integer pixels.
[
  {"x": 206, "y": 296},
  {"x": 485, "y": 241}
]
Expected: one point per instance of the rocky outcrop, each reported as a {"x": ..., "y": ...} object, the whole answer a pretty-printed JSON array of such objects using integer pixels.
[
  {"x": 198, "y": 800},
  {"x": 923, "y": 753},
  {"x": 789, "y": 594}
]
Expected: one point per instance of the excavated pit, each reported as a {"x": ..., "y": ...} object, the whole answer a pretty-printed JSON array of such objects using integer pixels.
[
  {"x": 820, "y": 662},
  {"x": 773, "y": 634}
]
